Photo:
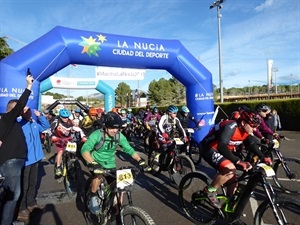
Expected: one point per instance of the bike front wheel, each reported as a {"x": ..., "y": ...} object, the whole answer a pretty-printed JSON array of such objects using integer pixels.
[
  {"x": 287, "y": 210},
  {"x": 181, "y": 166},
  {"x": 133, "y": 215},
  {"x": 287, "y": 175},
  {"x": 194, "y": 152},
  {"x": 73, "y": 178},
  {"x": 194, "y": 202}
]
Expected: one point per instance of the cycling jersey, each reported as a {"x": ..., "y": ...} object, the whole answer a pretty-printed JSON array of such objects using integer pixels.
[
  {"x": 152, "y": 119},
  {"x": 225, "y": 137},
  {"x": 185, "y": 119},
  {"x": 170, "y": 126}
]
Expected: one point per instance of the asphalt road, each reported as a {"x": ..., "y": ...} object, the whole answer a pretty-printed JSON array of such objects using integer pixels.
[{"x": 154, "y": 194}]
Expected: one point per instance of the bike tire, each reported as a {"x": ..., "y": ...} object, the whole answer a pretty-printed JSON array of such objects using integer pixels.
[
  {"x": 286, "y": 207},
  {"x": 289, "y": 185},
  {"x": 181, "y": 166},
  {"x": 73, "y": 178},
  {"x": 195, "y": 205},
  {"x": 194, "y": 152},
  {"x": 134, "y": 215}
]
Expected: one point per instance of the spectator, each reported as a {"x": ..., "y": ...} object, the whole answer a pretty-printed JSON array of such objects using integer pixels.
[
  {"x": 277, "y": 122},
  {"x": 13, "y": 151},
  {"x": 35, "y": 154}
]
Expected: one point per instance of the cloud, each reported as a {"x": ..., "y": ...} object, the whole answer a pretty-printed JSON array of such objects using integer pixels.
[{"x": 264, "y": 5}]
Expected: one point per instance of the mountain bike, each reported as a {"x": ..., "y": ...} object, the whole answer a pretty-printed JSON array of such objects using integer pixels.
[
  {"x": 110, "y": 200},
  {"x": 193, "y": 149},
  {"x": 273, "y": 210},
  {"x": 72, "y": 173},
  {"x": 287, "y": 169},
  {"x": 46, "y": 140},
  {"x": 177, "y": 165}
]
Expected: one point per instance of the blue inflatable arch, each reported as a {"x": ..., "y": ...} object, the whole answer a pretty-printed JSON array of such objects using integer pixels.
[
  {"x": 81, "y": 83},
  {"x": 63, "y": 46}
]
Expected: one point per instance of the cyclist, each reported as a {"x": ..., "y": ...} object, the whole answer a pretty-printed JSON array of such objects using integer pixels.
[
  {"x": 130, "y": 115},
  {"x": 185, "y": 117},
  {"x": 89, "y": 123},
  {"x": 169, "y": 126},
  {"x": 77, "y": 115},
  {"x": 151, "y": 122},
  {"x": 104, "y": 157},
  {"x": 61, "y": 129},
  {"x": 218, "y": 146},
  {"x": 265, "y": 133}
]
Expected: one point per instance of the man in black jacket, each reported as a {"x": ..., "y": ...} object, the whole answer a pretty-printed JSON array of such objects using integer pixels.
[{"x": 13, "y": 151}]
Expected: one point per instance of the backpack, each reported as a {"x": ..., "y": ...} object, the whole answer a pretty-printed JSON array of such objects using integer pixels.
[{"x": 102, "y": 139}]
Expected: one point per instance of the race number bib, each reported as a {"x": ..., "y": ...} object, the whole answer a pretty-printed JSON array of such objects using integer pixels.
[
  {"x": 268, "y": 169},
  {"x": 124, "y": 178},
  {"x": 71, "y": 147}
]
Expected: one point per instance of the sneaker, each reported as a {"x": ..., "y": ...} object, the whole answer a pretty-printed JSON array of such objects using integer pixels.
[
  {"x": 23, "y": 215},
  {"x": 35, "y": 206},
  {"x": 58, "y": 171},
  {"x": 212, "y": 196}
]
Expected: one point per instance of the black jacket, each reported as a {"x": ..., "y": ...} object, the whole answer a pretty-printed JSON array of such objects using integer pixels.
[{"x": 11, "y": 133}]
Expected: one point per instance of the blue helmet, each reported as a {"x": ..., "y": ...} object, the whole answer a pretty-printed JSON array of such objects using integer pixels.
[
  {"x": 172, "y": 109},
  {"x": 185, "y": 109},
  {"x": 77, "y": 110},
  {"x": 64, "y": 113},
  {"x": 154, "y": 109}
]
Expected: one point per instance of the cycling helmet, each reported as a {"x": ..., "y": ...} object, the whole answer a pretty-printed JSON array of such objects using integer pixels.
[
  {"x": 172, "y": 109},
  {"x": 99, "y": 110},
  {"x": 123, "y": 111},
  {"x": 64, "y": 113},
  {"x": 46, "y": 111},
  {"x": 77, "y": 110},
  {"x": 242, "y": 107},
  {"x": 93, "y": 111},
  {"x": 113, "y": 120},
  {"x": 235, "y": 115},
  {"x": 185, "y": 109},
  {"x": 262, "y": 107},
  {"x": 154, "y": 109},
  {"x": 251, "y": 117},
  {"x": 129, "y": 110}
]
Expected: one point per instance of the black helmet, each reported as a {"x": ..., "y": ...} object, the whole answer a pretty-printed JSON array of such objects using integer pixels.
[
  {"x": 251, "y": 117},
  {"x": 113, "y": 120},
  {"x": 262, "y": 107}
]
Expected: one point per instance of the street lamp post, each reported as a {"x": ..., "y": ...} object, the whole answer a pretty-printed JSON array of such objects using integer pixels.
[
  {"x": 219, "y": 7},
  {"x": 274, "y": 70}
]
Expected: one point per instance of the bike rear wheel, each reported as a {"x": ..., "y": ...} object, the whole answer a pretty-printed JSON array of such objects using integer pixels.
[
  {"x": 181, "y": 166},
  {"x": 194, "y": 152},
  {"x": 133, "y": 215},
  {"x": 288, "y": 175},
  {"x": 73, "y": 178},
  {"x": 288, "y": 211},
  {"x": 193, "y": 201}
]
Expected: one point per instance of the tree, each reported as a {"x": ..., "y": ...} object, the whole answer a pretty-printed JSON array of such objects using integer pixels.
[
  {"x": 123, "y": 93},
  {"x": 5, "y": 50}
]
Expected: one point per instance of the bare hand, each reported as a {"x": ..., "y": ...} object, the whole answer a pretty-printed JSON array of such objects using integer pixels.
[
  {"x": 29, "y": 79},
  {"x": 37, "y": 113}
]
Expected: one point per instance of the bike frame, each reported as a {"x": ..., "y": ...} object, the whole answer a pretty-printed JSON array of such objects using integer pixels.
[{"x": 258, "y": 176}]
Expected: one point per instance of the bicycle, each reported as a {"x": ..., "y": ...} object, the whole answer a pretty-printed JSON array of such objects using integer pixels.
[
  {"x": 287, "y": 169},
  {"x": 110, "y": 200},
  {"x": 193, "y": 149},
  {"x": 72, "y": 173},
  {"x": 177, "y": 165},
  {"x": 46, "y": 140},
  {"x": 273, "y": 210}
]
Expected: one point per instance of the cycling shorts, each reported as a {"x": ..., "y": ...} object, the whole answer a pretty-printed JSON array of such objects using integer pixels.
[{"x": 215, "y": 159}]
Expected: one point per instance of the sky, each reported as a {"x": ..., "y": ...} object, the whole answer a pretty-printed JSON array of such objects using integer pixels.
[{"x": 252, "y": 32}]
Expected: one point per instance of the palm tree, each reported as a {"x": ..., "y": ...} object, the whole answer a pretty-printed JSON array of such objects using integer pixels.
[{"x": 5, "y": 50}]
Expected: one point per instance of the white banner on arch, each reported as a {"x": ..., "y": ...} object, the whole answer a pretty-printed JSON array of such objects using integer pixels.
[{"x": 116, "y": 73}]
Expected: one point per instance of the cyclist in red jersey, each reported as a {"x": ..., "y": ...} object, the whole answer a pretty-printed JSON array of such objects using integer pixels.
[
  {"x": 218, "y": 147},
  {"x": 61, "y": 129}
]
